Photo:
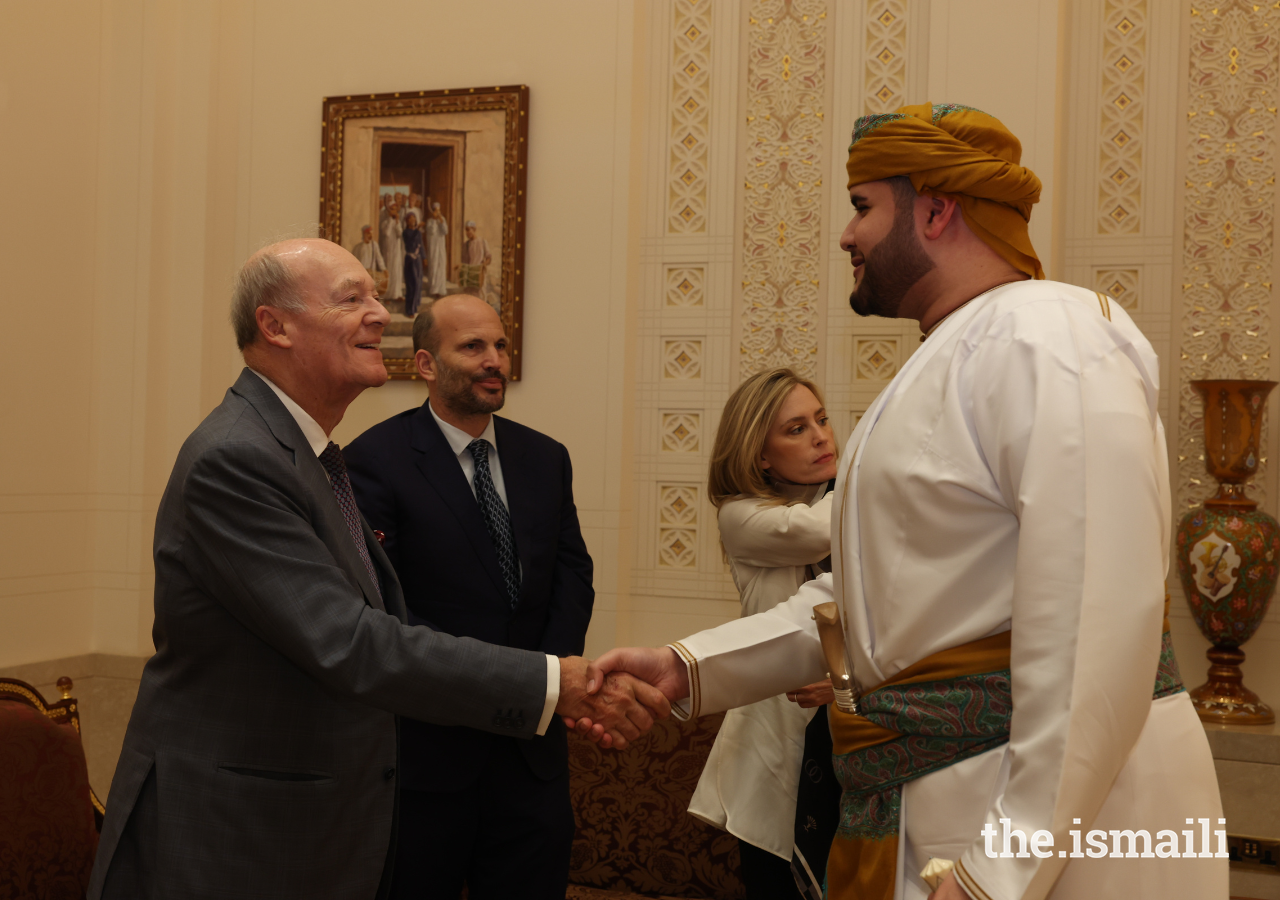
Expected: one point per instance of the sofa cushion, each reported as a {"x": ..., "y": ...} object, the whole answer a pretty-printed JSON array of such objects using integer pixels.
[{"x": 634, "y": 832}]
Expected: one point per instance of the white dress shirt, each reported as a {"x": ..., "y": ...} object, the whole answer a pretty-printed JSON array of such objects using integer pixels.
[
  {"x": 311, "y": 429},
  {"x": 318, "y": 441},
  {"x": 459, "y": 441}
]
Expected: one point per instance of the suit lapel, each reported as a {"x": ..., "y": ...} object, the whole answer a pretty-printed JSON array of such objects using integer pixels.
[
  {"x": 439, "y": 466},
  {"x": 285, "y": 430},
  {"x": 521, "y": 501}
]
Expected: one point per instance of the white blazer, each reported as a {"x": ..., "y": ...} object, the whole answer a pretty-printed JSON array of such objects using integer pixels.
[{"x": 749, "y": 785}]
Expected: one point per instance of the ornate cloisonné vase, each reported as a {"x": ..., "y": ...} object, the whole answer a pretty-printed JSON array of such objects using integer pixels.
[{"x": 1228, "y": 551}]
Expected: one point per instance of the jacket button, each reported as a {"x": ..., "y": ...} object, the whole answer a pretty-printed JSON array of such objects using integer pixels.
[{"x": 389, "y": 772}]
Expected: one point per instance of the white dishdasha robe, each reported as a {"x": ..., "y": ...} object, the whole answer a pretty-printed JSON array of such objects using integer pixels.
[{"x": 1013, "y": 475}]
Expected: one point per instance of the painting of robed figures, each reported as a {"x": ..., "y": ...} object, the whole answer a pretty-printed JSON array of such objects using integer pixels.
[{"x": 427, "y": 189}]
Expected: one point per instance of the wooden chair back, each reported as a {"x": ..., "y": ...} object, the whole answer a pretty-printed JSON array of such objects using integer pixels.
[{"x": 49, "y": 815}]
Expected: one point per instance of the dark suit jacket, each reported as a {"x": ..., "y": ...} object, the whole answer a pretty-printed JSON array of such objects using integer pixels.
[
  {"x": 409, "y": 485},
  {"x": 268, "y": 712}
]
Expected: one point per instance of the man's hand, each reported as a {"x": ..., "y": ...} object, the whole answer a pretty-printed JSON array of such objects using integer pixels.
[
  {"x": 639, "y": 702},
  {"x": 818, "y": 694},
  {"x": 950, "y": 890},
  {"x": 620, "y": 712},
  {"x": 656, "y": 667}
]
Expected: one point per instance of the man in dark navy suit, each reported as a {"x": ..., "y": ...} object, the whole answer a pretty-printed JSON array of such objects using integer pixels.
[{"x": 481, "y": 527}]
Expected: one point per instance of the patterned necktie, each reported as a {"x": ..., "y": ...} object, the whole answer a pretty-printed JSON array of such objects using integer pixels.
[
  {"x": 496, "y": 519},
  {"x": 336, "y": 466}
]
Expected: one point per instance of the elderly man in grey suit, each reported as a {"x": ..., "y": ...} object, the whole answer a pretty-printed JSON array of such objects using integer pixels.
[{"x": 261, "y": 756}]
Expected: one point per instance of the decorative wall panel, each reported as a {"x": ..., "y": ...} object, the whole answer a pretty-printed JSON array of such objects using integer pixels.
[
  {"x": 686, "y": 285},
  {"x": 1122, "y": 103},
  {"x": 876, "y": 359},
  {"x": 687, "y": 245},
  {"x": 885, "y": 76},
  {"x": 690, "y": 81},
  {"x": 1121, "y": 285},
  {"x": 782, "y": 244},
  {"x": 681, "y": 432},
  {"x": 682, "y": 358},
  {"x": 678, "y": 526},
  {"x": 1228, "y": 241}
]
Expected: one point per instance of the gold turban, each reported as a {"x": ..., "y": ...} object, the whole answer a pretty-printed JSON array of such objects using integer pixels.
[{"x": 955, "y": 151}]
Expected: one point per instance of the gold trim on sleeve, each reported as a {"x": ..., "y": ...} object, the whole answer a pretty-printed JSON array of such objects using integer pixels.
[
  {"x": 695, "y": 681},
  {"x": 1105, "y": 302},
  {"x": 967, "y": 882}
]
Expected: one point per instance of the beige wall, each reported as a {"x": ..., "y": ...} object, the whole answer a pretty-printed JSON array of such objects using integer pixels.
[
  {"x": 162, "y": 142},
  {"x": 158, "y": 143}
]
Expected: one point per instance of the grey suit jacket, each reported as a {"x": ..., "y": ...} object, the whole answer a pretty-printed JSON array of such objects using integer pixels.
[{"x": 265, "y": 725}]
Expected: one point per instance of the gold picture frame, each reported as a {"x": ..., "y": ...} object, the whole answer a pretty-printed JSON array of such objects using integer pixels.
[{"x": 438, "y": 178}]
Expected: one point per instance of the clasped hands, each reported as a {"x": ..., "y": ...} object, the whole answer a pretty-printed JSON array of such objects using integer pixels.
[
  {"x": 609, "y": 707},
  {"x": 617, "y": 698}
]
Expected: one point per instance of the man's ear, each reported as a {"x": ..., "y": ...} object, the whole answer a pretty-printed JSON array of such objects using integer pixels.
[
  {"x": 939, "y": 213},
  {"x": 425, "y": 363},
  {"x": 272, "y": 327}
]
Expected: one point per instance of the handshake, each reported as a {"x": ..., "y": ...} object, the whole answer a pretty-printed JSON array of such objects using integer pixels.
[{"x": 617, "y": 698}]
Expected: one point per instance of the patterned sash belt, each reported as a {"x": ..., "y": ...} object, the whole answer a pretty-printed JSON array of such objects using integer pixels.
[{"x": 943, "y": 709}]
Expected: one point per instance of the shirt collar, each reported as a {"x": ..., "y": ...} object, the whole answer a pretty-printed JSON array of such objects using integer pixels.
[
  {"x": 311, "y": 429},
  {"x": 458, "y": 439}
]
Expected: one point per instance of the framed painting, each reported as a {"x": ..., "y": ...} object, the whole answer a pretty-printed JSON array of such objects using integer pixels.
[{"x": 427, "y": 189}]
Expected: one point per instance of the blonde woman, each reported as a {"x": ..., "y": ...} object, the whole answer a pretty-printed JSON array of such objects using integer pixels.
[{"x": 768, "y": 780}]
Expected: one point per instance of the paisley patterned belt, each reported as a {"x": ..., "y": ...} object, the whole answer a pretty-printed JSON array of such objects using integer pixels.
[{"x": 945, "y": 708}]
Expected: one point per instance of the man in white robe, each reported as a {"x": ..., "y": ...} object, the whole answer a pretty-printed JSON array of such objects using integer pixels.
[
  {"x": 437, "y": 253},
  {"x": 368, "y": 252},
  {"x": 473, "y": 273},
  {"x": 1010, "y": 485},
  {"x": 392, "y": 241}
]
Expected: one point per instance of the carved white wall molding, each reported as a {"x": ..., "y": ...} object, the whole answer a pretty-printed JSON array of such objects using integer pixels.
[
  {"x": 689, "y": 108},
  {"x": 682, "y": 358},
  {"x": 782, "y": 244},
  {"x": 686, "y": 285},
  {"x": 681, "y": 432},
  {"x": 1121, "y": 284},
  {"x": 885, "y": 72},
  {"x": 1228, "y": 246},
  {"x": 876, "y": 359},
  {"x": 678, "y": 526},
  {"x": 1122, "y": 104}
]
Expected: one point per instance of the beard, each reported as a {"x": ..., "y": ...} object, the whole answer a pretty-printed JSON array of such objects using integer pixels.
[
  {"x": 455, "y": 389},
  {"x": 891, "y": 268}
]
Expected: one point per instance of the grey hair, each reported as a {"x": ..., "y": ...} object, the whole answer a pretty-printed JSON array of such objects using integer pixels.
[{"x": 263, "y": 281}]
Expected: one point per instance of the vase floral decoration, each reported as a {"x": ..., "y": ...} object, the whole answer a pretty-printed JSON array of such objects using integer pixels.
[{"x": 1228, "y": 550}]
